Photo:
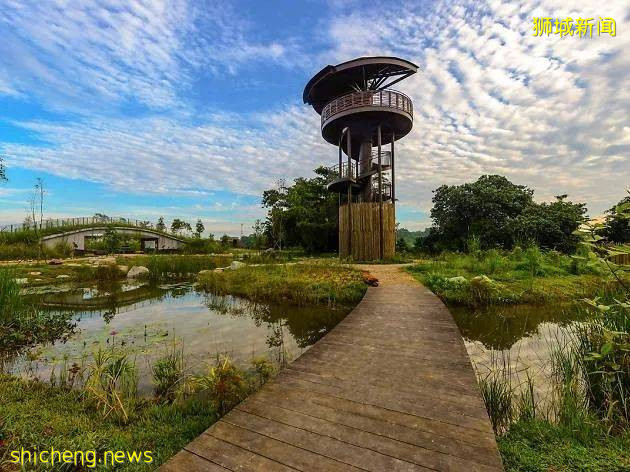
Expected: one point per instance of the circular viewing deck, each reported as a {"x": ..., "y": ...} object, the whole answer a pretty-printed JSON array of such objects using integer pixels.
[{"x": 381, "y": 106}]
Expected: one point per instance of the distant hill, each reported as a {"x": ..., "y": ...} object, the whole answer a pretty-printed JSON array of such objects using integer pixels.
[{"x": 409, "y": 236}]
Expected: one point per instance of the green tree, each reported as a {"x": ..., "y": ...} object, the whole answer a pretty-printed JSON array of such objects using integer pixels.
[
  {"x": 258, "y": 236},
  {"x": 179, "y": 225},
  {"x": 485, "y": 208},
  {"x": 401, "y": 245},
  {"x": 551, "y": 225},
  {"x": 112, "y": 240},
  {"x": 199, "y": 228},
  {"x": 499, "y": 214},
  {"x": 160, "y": 226},
  {"x": 302, "y": 214},
  {"x": 616, "y": 228}
]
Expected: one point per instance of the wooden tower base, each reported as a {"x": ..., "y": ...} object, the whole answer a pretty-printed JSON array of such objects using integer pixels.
[{"x": 359, "y": 231}]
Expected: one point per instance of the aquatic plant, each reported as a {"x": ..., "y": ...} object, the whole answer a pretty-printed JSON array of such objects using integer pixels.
[
  {"x": 498, "y": 393},
  {"x": 168, "y": 373},
  {"x": 603, "y": 348},
  {"x": 263, "y": 370},
  {"x": 11, "y": 303},
  {"x": 112, "y": 384},
  {"x": 98, "y": 273},
  {"x": 21, "y": 324}
]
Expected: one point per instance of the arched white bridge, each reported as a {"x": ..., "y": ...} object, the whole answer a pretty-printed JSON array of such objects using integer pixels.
[{"x": 149, "y": 239}]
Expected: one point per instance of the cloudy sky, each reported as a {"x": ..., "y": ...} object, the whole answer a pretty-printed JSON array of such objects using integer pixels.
[{"x": 142, "y": 108}]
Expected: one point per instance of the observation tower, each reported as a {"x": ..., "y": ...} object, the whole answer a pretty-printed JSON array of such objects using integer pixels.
[{"x": 361, "y": 115}]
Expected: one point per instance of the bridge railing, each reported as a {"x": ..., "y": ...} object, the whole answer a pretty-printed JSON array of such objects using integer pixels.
[{"x": 50, "y": 223}]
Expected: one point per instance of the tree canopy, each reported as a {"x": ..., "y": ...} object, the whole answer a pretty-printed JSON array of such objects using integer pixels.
[
  {"x": 500, "y": 214},
  {"x": 179, "y": 225},
  {"x": 302, "y": 214},
  {"x": 199, "y": 228},
  {"x": 616, "y": 227}
]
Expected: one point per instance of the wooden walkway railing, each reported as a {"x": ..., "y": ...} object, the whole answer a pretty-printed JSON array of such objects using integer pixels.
[{"x": 391, "y": 388}]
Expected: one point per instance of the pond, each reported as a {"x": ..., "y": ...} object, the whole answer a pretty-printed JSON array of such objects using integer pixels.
[
  {"x": 146, "y": 321},
  {"x": 518, "y": 338}
]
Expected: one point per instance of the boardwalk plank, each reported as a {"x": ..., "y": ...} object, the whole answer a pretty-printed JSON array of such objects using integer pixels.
[
  {"x": 368, "y": 441},
  {"x": 232, "y": 456},
  {"x": 343, "y": 452},
  {"x": 186, "y": 461},
  {"x": 417, "y": 437},
  {"x": 280, "y": 451}
]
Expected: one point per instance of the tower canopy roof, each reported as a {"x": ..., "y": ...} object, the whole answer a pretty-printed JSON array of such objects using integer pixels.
[{"x": 364, "y": 73}]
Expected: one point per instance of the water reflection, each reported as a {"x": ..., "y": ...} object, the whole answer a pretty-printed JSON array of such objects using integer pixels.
[
  {"x": 143, "y": 321},
  {"x": 500, "y": 327},
  {"x": 518, "y": 339}
]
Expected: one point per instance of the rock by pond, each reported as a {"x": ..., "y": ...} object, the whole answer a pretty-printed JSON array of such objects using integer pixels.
[
  {"x": 237, "y": 265},
  {"x": 137, "y": 272}
]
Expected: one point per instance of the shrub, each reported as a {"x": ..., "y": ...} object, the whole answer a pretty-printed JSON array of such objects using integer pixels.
[{"x": 224, "y": 385}]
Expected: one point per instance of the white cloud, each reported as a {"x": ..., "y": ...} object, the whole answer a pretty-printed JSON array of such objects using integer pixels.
[
  {"x": 241, "y": 154},
  {"x": 97, "y": 54}
]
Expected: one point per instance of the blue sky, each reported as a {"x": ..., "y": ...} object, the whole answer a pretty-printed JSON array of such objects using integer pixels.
[{"x": 191, "y": 109}]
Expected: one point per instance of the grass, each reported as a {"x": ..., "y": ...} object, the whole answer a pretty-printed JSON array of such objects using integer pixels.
[
  {"x": 33, "y": 414},
  {"x": 161, "y": 267},
  {"x": 498, "y": 277},
  {"x": 323, "y": 283},
  {"x": 168, "y": 373},
  {"x": 538, "y": 445}
]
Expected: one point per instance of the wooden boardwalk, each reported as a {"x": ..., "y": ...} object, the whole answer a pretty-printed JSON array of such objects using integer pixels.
[{"x": 391, "y": 388}]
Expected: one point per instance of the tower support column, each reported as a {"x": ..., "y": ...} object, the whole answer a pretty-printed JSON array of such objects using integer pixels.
[{"x": 381, "y": 236}]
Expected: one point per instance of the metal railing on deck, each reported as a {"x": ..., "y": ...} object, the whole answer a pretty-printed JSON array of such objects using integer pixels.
[
  {"x": 344, "y": 171},
  {"x": 386, "y": 188},
  {"x": 380, "y": 98}
]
